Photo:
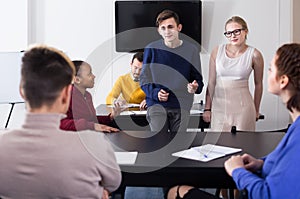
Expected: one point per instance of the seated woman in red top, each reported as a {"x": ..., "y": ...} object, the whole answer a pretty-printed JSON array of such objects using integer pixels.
[{"x": 81, "y": 114}]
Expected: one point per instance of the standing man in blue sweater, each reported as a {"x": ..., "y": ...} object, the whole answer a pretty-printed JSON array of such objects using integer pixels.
[{"x": 170, "y": 76}]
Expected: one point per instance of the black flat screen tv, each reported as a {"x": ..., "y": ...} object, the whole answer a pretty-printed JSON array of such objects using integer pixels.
[{"x": 135, "y": 22}]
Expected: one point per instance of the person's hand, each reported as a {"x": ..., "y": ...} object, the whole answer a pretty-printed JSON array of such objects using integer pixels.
[
  {"x": 116, "y": 110},
  {"x": 192, "y": 87},
  {"x": 236, "y": 161},
  {"x": 120, "y": 101},
  {"x": 206, "y": 116},
  {"x": 143, "y": 105},
  {"x": 105, "y": 128},
  {"x": 163, "y": 95},
  {"x": 105, "y": 194},
  {"x": 251, "y": 163},
  {"x": 257, "y": 116}
]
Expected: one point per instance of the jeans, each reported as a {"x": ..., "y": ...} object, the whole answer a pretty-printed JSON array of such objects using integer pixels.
[
  {"x": 162, "y": 119},
  {"x": 144, "y": 193}
]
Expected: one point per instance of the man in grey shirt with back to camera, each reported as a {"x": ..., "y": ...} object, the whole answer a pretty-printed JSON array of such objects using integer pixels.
[{"x": 41, "y": 161}]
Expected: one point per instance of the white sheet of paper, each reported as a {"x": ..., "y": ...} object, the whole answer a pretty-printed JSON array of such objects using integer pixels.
[
  {"x": 206, "y": 152},
  {"x": 128, "y": 105},
  {"x": 193, "y": 112},
  {"x": 127, "y": 113},
  {"x": 126, "y": 157},
  {"x": 133, "y": 113},
  {"x": 139, "y": 112},
  {"x": 193, "y": 130}
]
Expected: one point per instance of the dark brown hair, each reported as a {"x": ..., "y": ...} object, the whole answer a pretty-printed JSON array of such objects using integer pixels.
[
  {"x": 138, "y": 56},
  {"x": 45, "y": 72},
  {"x": 288, "y": 63},
  {"x": 166, "y": 14}
]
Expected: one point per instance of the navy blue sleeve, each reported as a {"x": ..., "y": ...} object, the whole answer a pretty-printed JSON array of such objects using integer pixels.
[
  {"x": 146, "y": 80},
  {"x": 197, "y": 72}
]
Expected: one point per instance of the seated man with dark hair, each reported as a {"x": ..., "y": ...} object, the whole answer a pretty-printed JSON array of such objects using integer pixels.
[{"x": 128, "y": 85}]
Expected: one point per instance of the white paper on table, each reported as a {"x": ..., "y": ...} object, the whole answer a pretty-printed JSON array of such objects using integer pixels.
[
  {"x": 128, "y": 105},
  {"x": 131, "y": 105},
  {"x": 126, "y": 157},
  {"x": 206, "y": 152},
  {"x": 126, "y": 113},
  {"x": 192, "y": 130},
  {"x": 133, "y": 113},
  {"x": 193, "y": 112},
  {"x": 139, "y": 112}
]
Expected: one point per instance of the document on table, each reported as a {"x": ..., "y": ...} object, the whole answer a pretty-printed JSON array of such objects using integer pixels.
[
  {"x": 127, "y": 105},
  {"x": 131, "y": 105},
  {"x": 133, "y": 113},
  {"x": 191, "y": 130},
  {"x": 194, "y": 112},
  {"x": 126, "y": 157},
  {"x": 206, "y": 152}
]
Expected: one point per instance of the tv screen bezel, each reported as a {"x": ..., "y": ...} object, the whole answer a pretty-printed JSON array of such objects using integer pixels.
[{"x": 122, "y": 35}]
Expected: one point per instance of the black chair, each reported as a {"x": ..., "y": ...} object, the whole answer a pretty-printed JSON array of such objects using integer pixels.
[{"x": 234, "y": 130}]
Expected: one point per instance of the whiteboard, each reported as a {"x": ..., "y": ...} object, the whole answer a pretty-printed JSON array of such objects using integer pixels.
[{"x": 10, "y": 69}]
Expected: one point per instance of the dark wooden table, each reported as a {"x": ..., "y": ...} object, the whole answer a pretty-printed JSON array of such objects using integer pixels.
[
  {"x": 155, "y": 166},
  {"x": 138, "y": 122}
]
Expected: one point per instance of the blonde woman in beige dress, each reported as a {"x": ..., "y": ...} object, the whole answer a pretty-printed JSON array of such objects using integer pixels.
[{"x": 228, "y": 99}]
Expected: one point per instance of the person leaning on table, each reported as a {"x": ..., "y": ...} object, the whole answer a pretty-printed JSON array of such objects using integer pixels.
[
  {"x": 39, "y": 160},
  {"x": 171, "y": 75},
  {"x": 128, "y": 85},
  {"x": 275, "y": 176},
  {"x": 81, "y": 114}
]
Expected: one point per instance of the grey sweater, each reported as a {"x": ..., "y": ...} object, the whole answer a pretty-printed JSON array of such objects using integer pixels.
[{"x": 41, "y": 161}]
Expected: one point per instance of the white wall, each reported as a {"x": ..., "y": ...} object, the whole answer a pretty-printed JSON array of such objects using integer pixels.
[
  {"x": 13, "y": 20},
  {"x": 84, "y": 29},
  {"x": 4, "y": 110},
  {"x": 13, "y": 38}
]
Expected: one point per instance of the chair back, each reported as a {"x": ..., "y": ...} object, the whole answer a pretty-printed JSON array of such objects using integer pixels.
[{"x": 234, "y": 130}]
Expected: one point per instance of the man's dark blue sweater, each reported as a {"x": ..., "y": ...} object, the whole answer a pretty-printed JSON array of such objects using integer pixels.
[{"x": 171, "y": 69}]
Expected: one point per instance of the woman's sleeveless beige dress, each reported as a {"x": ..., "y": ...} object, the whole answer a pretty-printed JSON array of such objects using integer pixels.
[{"x": 232, "y": 103}]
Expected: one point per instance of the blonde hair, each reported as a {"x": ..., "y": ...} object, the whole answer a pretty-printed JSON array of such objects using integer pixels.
[{"x": 239, "y": 20}]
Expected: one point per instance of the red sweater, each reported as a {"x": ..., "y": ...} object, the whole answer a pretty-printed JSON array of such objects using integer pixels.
[{"x": 81, "y": 114}]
